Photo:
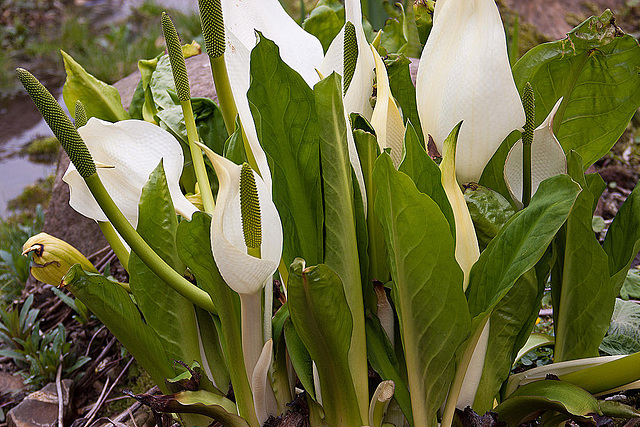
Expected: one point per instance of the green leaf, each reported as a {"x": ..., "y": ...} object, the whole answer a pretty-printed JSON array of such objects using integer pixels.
[
  {"x": 626, "y": 319},
  {"x": 595, "y": 69},
  {"x": 526, "y": 403},
  {"x": 631, "y": 286},
  {"x": 425, "y": 174},
  {"x": 99, "y": 99},
  {"x": 619, "y": 345},
  {"x": 584, "y": 304},
  {"x": 324, "y": 23},
  {"x": 171, "y": 315},
  {"x": 404, "y": 91},
  {"x": 534, "y": 341},
  {"x": 493, "y": 174},
  {"x": 200, "y": 402},
  {"x": 425, "y": 276},
  {"x": 513, "y": 317},
  {"x": 234, "y": 146},
  {"x": 520, "y": 243},
  {"x": 316, "y": 294},
  {"x": 613, "y": 409},
  {"x": 383, "y": 361},
  {"x": 340, "y": 241},
  {"x": 378, "y": 267},
  {"x": 489, "y": 212},
  {"x": 209, "y": 327},
  {"x": 194, "y": 247},
  {"x": 113, "y": 306},
  {"x": 622, "y": 242},
  {"x": 161, "y": 83},
  {"x": 288, "y": 131},
  {"x": 300, "y": 358}
]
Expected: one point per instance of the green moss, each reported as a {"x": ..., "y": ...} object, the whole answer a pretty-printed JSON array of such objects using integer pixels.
[
  {"x": 32, "y": 196},
  {"x": 43, "y": 150}
]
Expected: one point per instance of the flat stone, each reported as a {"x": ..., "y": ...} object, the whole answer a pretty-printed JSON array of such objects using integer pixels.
[
  {"x": 10, "y": 384},
  {"x": 40, "y": 409}
]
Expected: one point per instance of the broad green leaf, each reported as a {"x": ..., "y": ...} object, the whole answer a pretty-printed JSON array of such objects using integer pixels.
[
  {"x": 514, "y": 316},
  {"x": 520, "y": 243},
  {"x": 631, "y": 285},
  {"x": 583, "y": 310},
  {"x": 619, "y": 345},
  {"x": 113, "y": 306},
  {"x": 199, "y": 402},
  {"x": 209, "y": 327},
  {"x": 425, "y": 173},
  {"x": 194, "y": 246},
  {"x": 626, "y": 320},
  {"x": 613, "y": 409},
  {"x": 489, "y": 212},
  {"x": 171, "y": 315},
  {"x": 288, "y": 131},
  {"x": 622, "y": 242},
  {"x": 161, "y": 82},
  {"x": 280, "y": 382},
  {"x": 316, "y": 294},
  {"x": 595, "y": 69},
  {"x": 340, "y": 240},
  {"x": 324, "y": 23},
  {"x": 383, "y": 361},
  {"x": 99, "y": 99},
  {"x": 300, "y": 358},
  {"x": 368, "y": 151},
  {"x": 400, "y": 33},
  {"x": 425, "y": 276},
  {"x": 526, "y": 403},
  {"x": 234, "y": 146},
  {"x": 404, "y": 91},
  {"x": 606, "y": 376}
]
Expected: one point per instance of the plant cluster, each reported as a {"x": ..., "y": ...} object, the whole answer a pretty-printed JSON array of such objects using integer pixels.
[
  {"x": 299, "y": 173},
  {"x": 39, "y": 355}
]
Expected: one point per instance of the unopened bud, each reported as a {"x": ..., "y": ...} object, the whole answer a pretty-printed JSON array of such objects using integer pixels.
[{"x": 53, "y": 257}]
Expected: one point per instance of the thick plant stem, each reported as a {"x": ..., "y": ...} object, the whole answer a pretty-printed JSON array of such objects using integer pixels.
[
  {"x": 251, "y": 314},
  {"x": 461, "y": 372},
  {"x": 197, "y": 158},
  {"x": 224, "y": 93},
  {"x": 116, "y": 244},
  {"x": 172, "y": 278},
  {"x": 526, "y": 171}
]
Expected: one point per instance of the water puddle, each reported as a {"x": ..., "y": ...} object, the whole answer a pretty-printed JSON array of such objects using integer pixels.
[{"x": 20, "y": 122}]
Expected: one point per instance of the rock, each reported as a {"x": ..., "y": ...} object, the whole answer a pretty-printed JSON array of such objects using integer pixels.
[
  {"x": 40, "y": 409},
  {"x": 551, "y": 17},
  {"x": 10, "y": 384}
]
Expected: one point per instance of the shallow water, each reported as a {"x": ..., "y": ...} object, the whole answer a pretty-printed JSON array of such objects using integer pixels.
[{"x": 20, "y": 121}]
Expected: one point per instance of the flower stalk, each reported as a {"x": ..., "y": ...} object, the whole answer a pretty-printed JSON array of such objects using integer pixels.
[{"x": 181, "y": 78}]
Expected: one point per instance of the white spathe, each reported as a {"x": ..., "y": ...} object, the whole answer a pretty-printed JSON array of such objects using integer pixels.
[
  {"x": 300, "y": 50},
  {"x": 132, "y": 149},
  {"x": 243, "y": 273},
  {"x": 547, "y": 158},
  {"x": 356, "y": 100},
  {"x": 464, "y": 74},
  {"x": 386, "y": 119}
]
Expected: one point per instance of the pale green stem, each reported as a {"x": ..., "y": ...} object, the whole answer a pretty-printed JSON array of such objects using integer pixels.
[
  {"x": 526, "y": 172},
  {"x": 224, "y": 93},
  {"x": 380, "y": 403},
  {"x": 116, "y": 244},
  {"x": 461, "y": 372},
  {"x": 197, "y": 158},
  {"x": 167, "y": 274},
  {"x": 284, "y": 275},
  {"x": 251, "y": 315}
]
